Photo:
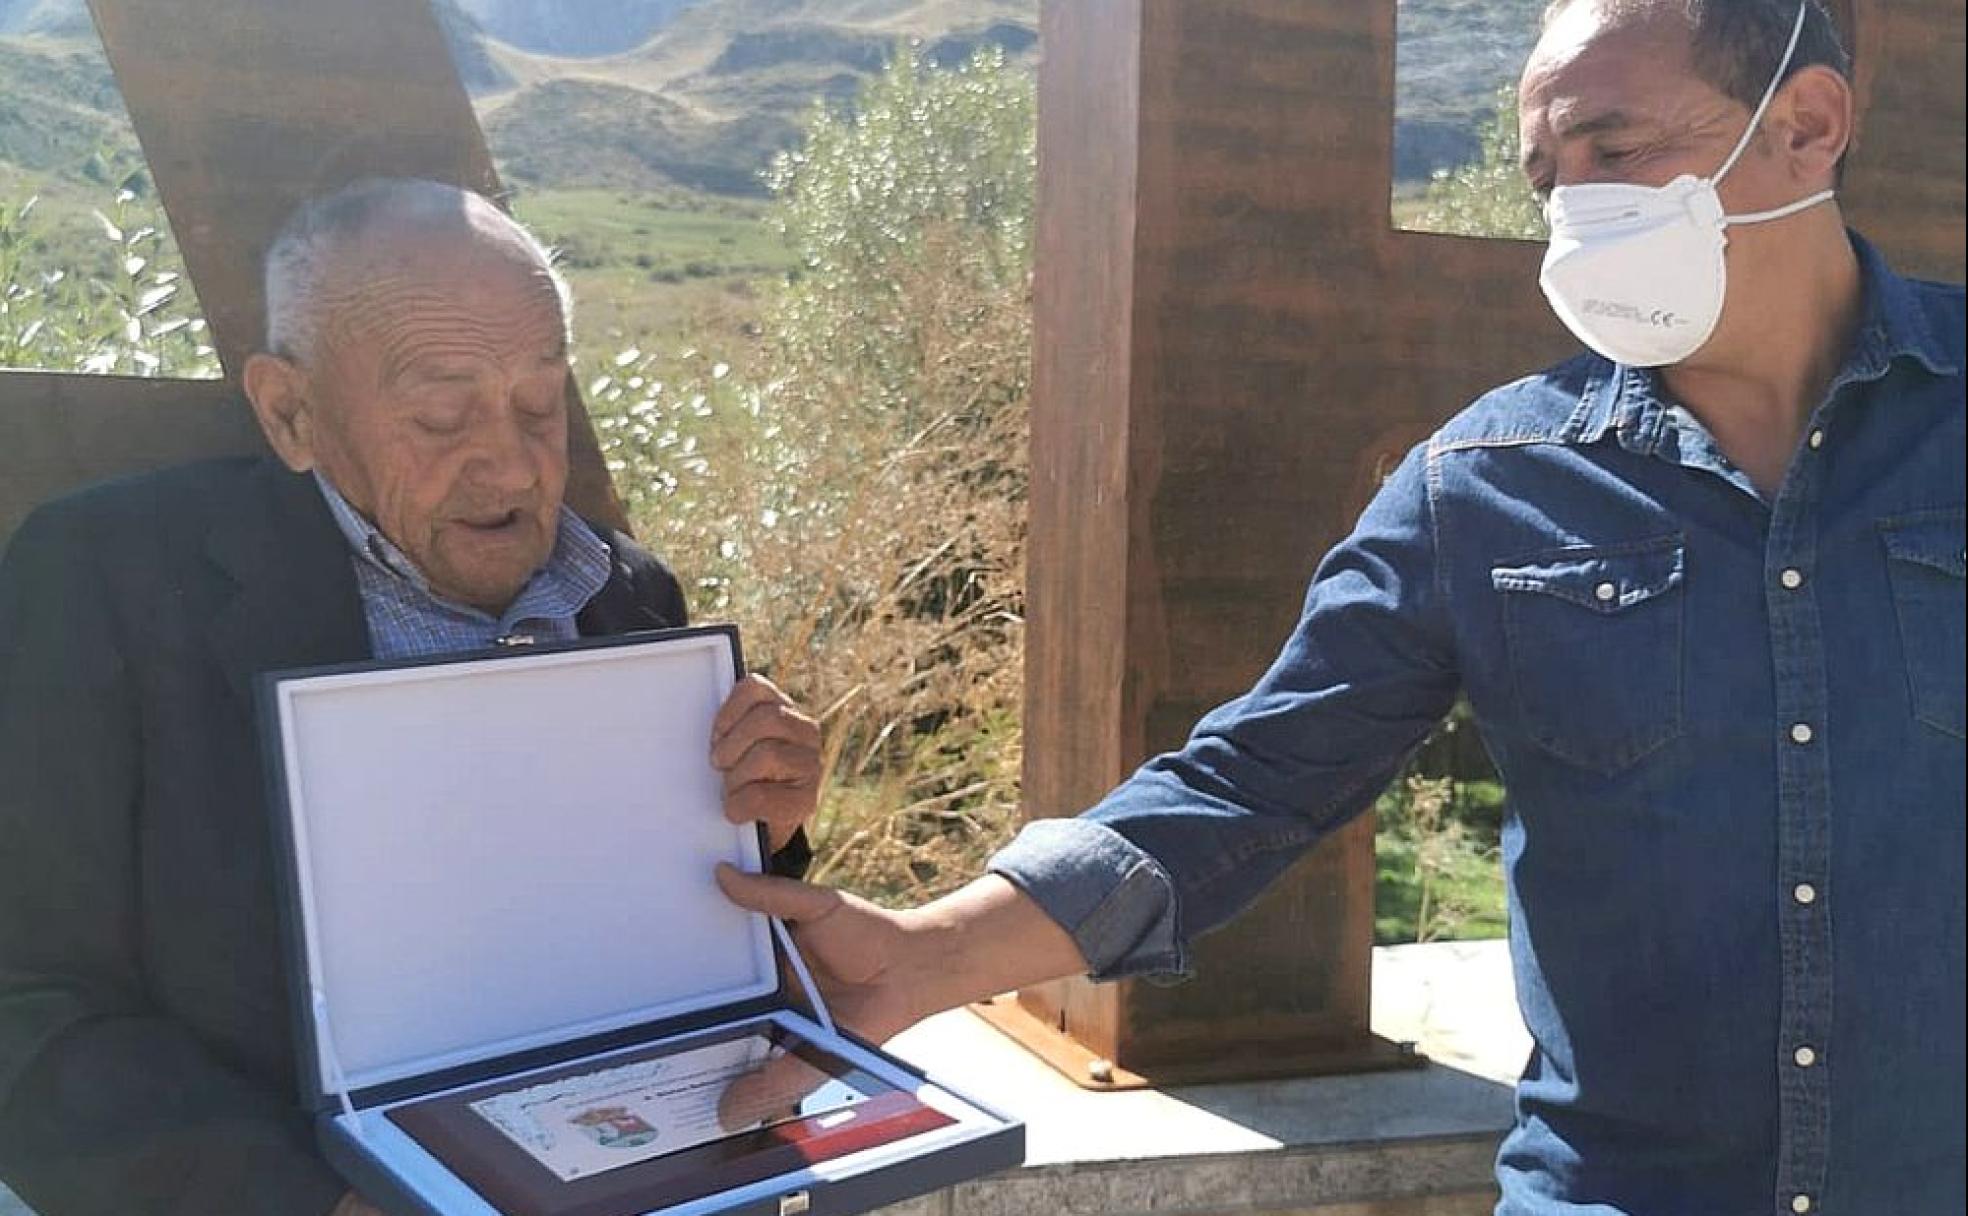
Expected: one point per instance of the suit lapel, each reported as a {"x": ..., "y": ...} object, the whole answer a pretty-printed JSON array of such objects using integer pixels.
[
  {"x": 295, "y": 602},
  {"x": 616, "y": 608}
]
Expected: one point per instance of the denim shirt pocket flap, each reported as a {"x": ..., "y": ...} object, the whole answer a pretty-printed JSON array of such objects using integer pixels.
[
  {"x": 1592, "y": 636},
  {"x": 1932, "y": 540},
  {"x": 1924, "y": 569},
  {"x": 1603, "y": 580}
]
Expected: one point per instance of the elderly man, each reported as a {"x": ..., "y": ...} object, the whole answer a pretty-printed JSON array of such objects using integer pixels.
[
  {"x": 414, "y": 390},
  {"x": 1703, "y": 588}
]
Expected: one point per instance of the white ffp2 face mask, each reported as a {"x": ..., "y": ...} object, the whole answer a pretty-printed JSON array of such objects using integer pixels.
[{"x": 1637, "y": 273}]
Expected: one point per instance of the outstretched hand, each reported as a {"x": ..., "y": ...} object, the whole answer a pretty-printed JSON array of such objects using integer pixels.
[
  {"x": 859, "y": 954},
  {"x": 880, "y": 972}
]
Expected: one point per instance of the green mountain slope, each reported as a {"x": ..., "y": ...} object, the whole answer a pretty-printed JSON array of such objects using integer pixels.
[
  {"x": 59, "y": 107},
  {"x": 704, "y": 100},
  {"x": 595, "y": 133},
  {"x": 578, "y": 28},
  {"x": 1448, "y": 50}
]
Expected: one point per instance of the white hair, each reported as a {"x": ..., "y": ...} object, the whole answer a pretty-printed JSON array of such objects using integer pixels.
[{"x": 312, "y": 243}]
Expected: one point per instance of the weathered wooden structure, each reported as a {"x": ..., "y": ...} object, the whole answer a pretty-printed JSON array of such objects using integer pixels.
[{"x": 1233, "y": 344}]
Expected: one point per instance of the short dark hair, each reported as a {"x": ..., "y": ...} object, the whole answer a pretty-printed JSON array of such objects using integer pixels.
[{"x": 1737, "y": 44}]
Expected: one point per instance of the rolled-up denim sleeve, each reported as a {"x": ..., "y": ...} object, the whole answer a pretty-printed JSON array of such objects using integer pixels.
[
  {"x": 1195, "y": 835},
  {"x": 1115, "y": 900}
]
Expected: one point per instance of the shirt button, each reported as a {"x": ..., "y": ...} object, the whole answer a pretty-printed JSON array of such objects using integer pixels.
[
  {"x": 1817, "y": 440},
  {"x": 1791, "y": 579},
  {"x": 1804, "y": 893},
  {"x": 1605, "y": 592},
  {"x": 1800, "y": 1204},
  {"x": 1801, "y": 733},
  {"x": 1805, "y": 1057}
]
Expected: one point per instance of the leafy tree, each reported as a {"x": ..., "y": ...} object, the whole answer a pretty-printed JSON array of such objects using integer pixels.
[
  {"x": 852, "y": 489},
  {"x": 1488, "y": 196},
  {"x": 130, "y": 312},
  {"x": 930, "y": 170}
]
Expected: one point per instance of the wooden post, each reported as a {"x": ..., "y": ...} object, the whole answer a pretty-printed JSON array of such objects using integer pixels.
[{"x": 1233, "y": 346}]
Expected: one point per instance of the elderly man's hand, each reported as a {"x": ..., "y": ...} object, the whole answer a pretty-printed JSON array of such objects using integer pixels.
[{"x": 769, "y": 753}]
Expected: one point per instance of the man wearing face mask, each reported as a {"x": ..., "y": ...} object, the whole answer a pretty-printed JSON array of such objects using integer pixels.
[{"x": 1703, "y": 588}]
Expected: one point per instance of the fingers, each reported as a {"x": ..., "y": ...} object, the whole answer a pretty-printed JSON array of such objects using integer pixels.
[
  {"x": 781, "y": 808},
  {"x": 756, "y": 709},
  {"x": 786, "y": 898},
  {"x": 769, "y": 753},
  {"x": 774, "y": 760}
]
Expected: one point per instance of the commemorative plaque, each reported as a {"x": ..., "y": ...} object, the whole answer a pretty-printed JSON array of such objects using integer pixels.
[{"x": 520, "y": 991}]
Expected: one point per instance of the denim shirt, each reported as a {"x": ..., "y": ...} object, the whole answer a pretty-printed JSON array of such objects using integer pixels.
[{"x": 1731, "y": 731}]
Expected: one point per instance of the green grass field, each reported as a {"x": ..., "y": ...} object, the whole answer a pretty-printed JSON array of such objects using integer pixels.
[
  {"x": 646, "y": 267},
  {"x": 651, "y": 266},
  {"x": 1470, "y": 888},
  {"x": 1456, "y": 859}
]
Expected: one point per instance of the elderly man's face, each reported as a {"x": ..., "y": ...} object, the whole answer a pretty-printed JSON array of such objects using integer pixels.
[
  {"x": 436, "y": 405},
  {"x": 1605, "y": 100}
]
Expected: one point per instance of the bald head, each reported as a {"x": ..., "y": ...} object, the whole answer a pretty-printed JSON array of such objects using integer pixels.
[{"x": 332, "y": 246}]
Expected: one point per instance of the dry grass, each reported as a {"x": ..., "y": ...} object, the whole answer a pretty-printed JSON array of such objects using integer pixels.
[{"x": 875, "y": 562}]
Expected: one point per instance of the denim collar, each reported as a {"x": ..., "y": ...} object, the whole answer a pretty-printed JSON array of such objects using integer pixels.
[{"x": 1893, "y": 325}]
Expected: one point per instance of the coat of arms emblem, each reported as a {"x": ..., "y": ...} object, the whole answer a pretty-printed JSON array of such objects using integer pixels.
[{"x": 614, "y": 1127}]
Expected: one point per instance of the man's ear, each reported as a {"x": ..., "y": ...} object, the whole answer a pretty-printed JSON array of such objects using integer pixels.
[
  {"x": 1816, "y": 123},
  {"x": 278, "y": 390}
]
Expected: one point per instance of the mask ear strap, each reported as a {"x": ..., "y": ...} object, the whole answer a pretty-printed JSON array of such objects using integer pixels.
[
  {"x": 1796, "y": 32},
  {"x": 1777, "y": 213}
]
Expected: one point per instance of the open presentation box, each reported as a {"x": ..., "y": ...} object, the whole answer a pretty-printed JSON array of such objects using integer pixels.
[{"x": 519, "y": 989}]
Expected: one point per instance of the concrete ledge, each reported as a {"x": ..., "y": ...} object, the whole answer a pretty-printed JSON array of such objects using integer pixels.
[{"x": 1419, "y": 1143}]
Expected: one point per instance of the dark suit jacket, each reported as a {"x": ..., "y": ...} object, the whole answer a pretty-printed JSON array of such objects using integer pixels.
[{"x": 146, "y": 1061}]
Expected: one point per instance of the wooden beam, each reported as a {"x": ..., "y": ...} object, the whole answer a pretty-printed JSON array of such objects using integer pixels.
[
  {"x": 245, "y": 108},
  {"x": 1906, "y": 182},
  {"x": 59, "y": 431}
]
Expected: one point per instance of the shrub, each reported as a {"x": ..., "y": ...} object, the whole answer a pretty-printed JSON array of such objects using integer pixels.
[
  {"x": 851, "y": 488},
  {"x": 131, "y": 313},
  {"x": 1488, "y": 196}
]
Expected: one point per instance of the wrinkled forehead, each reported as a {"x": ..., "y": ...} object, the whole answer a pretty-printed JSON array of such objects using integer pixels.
[{"x": 449, "y": 276}]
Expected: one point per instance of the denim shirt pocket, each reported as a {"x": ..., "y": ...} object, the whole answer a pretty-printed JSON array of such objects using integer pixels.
[
  {"x": 1594, "y": 644},
  {"x": 1925, "y": 559}
]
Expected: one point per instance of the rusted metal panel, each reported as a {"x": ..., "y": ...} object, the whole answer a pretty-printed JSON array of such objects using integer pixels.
[{"x": 1233, "y": 345}]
